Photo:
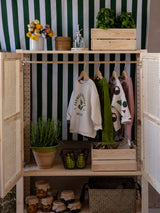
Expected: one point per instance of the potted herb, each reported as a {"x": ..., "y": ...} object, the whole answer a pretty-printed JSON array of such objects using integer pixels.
[
  {"x": 106, "y": 19},
  {"x": 44, "y": 142}
]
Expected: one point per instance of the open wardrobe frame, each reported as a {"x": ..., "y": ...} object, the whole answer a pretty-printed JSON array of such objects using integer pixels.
[{"x": 23, "y": 61}]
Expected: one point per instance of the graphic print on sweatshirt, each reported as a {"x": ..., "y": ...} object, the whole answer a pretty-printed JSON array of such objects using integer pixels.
[
  {"x": 84, "y": 110},
  {"x": 80, "y": 104}
]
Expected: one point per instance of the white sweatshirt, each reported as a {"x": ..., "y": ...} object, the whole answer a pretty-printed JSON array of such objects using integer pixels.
[{"x": 84, "y": 109}]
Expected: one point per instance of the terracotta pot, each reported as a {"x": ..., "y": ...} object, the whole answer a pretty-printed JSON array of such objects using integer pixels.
[{"x": 45, "y": 156}]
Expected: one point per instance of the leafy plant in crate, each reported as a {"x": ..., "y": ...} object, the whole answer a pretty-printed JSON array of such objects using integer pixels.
[
  {"x": 105, "y": 19},
  {"x": 125, "y": 20},
  {"x": 44, "y": 143}
]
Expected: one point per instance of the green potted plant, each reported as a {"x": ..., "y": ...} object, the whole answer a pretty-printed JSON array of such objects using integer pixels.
[{"x": 44, "y": 142}]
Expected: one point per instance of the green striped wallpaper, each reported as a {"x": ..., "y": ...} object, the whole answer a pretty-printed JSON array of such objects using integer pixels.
[{"x": 52, "y": 84}]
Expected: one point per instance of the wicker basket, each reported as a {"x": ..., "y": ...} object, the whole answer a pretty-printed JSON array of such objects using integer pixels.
[
  {"x": 62, "y": 43},
  {"x": 112, "y": 200},
  {"x": 112, "y": 195},
  {"x": 74, "y": 158}
]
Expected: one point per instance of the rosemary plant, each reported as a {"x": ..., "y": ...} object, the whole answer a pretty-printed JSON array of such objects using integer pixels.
[{"x": 45, "y": 134}]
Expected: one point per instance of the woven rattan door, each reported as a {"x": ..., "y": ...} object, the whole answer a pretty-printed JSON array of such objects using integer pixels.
[
  {"x": 11, "y": 120},
  {"x": 151, "y": 118}
]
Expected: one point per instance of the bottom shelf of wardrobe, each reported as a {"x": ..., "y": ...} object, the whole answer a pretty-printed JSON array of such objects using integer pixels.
[
  {"x": 59, "y": 170},
  {"x": 85, "y": 208}
]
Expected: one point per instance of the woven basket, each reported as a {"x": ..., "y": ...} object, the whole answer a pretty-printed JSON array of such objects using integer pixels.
[
  {"x": 62, "y": 43},
  {"x": 112, "y": 200}
]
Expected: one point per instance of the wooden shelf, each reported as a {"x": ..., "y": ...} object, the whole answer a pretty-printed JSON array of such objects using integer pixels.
[
  {"x": 58, "y": 170},
  {"x": 85, "y": 208},
  {"x": 78, "y": 52}
]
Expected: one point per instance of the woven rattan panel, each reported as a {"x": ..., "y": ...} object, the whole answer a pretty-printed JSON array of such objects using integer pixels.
[
  {"x": 12, "y": 146},
  {"x": 11, "y": 91},
  {"x": 12, "y": 128}
]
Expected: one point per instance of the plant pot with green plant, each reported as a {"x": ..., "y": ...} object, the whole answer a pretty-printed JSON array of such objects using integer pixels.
[{"x": 44, "y": 143}]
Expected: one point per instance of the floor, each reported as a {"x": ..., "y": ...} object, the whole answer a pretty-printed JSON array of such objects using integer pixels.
[{"x": 154, "y": 211}]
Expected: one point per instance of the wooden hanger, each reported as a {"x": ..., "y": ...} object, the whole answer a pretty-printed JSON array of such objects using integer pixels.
[
  {"x": 98, "y": 75},
  {"x": 83, "y": 74},
  {"x": 124, "y": 74},
  {"x": 114, "y": 75}
]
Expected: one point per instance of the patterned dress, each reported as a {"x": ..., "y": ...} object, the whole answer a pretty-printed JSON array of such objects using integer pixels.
[{"x": 120, "y": 111}]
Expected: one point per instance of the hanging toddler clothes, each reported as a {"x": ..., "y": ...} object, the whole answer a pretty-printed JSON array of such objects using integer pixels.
[
  {"x": 119, "y": 107},
  {"x": 84, "y": 109},
  {"x": 107, "y": 123},
  {"x": 128, "y": 89}
]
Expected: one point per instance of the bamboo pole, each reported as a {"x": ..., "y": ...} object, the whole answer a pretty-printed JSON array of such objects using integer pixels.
[{"x": 80, "y": 62}]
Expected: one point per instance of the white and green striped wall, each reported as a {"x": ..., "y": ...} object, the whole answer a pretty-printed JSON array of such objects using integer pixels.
[{"x": 52, "y": 84}]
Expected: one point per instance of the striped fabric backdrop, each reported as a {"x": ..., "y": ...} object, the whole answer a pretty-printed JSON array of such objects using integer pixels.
[{"x": 52, "y": 84}]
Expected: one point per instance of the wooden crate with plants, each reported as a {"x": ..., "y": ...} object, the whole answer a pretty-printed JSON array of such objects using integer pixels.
[{"x": 113, "y": 33}]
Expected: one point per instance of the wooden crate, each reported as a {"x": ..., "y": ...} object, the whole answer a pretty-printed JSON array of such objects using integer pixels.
[
  {"x": 113, "y": 39},
  {"x": 105, "y": 160}
]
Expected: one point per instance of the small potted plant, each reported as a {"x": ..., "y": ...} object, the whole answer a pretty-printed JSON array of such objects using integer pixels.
[
  {"x": 37, "y": 33},
  {"x": 44, "y": 142}
]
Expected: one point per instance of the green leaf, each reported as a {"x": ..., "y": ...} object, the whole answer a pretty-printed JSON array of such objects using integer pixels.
[
  {"x": 105, "y": 18},
  {"x": 125, "y": 20}
]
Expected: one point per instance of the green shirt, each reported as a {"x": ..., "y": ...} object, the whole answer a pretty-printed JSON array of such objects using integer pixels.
[{"x": 107, "y": 123}]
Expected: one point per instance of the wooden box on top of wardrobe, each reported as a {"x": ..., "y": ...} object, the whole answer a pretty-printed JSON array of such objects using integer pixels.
[{"x": 113, "y": 39}]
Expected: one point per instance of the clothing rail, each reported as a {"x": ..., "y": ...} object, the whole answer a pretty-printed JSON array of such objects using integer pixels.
[{"x": 81, "y": 62}]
